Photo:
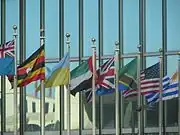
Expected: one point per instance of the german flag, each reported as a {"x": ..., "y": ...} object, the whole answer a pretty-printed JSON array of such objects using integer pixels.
[{"x": 32, "y": 69}]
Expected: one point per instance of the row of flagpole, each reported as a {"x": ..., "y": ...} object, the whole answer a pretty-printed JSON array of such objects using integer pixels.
[
  {"x": 42, "y": 96},
  {"x": 42, "y": 41}
]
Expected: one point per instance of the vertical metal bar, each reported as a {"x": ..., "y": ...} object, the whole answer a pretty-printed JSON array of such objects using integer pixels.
[
  {"x": 116, "y": 87},
  {"x": 178, "y": 75},
  {"x": 160, "y": 94},
  {"x": 15, "y": 79},
  {"x": 139, "y": 106},
  {"x": 68, "y": 91},
  {"x": 3, "y": 81},
  {"x": 61, "y": 54},
  {"x": 42, "y": 95},
  {"x": 120, "y": 31},
  {"x": 142, "y": 42},
  {"x": 100, "y": 33},
  {"x": 81, "y": 26},
  {"x": 22, "y": 56},
  {"x": 42, "y": 92},
  {"x": 164, "y": 58},
  {"x": 94, "y": 87}
]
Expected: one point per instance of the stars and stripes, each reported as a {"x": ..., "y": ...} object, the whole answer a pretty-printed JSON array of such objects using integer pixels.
[
  {"x": 149, "y": 81},
  {"x": 7, "y": 49}
]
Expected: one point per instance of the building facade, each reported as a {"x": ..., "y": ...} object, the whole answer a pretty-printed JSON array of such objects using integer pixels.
[{"x": 153, "y": 24}]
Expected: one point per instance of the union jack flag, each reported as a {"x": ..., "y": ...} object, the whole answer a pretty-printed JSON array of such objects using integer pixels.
[
  {"x": 105, "y": 80},
  {"x": 7, "y": 49}
]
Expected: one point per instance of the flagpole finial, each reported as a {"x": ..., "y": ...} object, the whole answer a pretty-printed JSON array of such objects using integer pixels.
[
  {"x": 68, "y": 35},
  {"x": 160, "y": 50},
  {"x": 15, "y": 27},
  {"x": 93, "y": 40},
  {"x": 179, "y": 55},
  {"x": 117, "y": 45},
  {"x": 139, "y": 47},
  {"x": 68, "y": 40}
]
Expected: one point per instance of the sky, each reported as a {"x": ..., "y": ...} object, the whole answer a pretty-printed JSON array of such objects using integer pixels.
[{"x": 110, "y": 27}]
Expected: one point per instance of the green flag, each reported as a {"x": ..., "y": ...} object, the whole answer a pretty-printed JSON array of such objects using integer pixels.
[
  {"x": 81, "y": 77},
  {"x": 128, "y": 75}
]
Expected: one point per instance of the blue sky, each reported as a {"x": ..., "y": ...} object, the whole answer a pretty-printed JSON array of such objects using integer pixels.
[{"x": 131, "y": 26}]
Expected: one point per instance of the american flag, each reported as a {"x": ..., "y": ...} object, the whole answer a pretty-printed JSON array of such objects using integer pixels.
[
  {"x": 150, "y": 78},
  {"x": 7, "y": 49},
  {"x": 105, "y": 80}
]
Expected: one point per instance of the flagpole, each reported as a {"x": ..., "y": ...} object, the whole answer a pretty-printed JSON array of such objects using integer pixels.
[
  {"x": 15, "y": 79},
  {"x": 93, "y": 86},
  {"x": 116, "y": 85},
  {"x": 42, "y": 92},
  {"x": 178, "y": 75},
  {"x": 160, "y": 92},
  {"x": 139, "y": 107},
  {"x": 68, "y": 91}
]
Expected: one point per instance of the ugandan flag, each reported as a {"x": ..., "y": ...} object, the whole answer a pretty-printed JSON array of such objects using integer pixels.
[{"x": 32, "y": 69}]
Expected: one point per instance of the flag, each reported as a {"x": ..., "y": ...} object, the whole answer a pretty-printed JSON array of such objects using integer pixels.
[
  {"x": 105, "y": 80},
  {"x": 149, "y": 81},
  {"x": 153, "y": 96},
  {"x": 81, "y": 77},
  {"x": 59, "y": 75},
  {"x": 32, "y": 69},
  {"x": 128, "y": 76},
  {"x": 7, "y": 49},
  {"x": 170, "y": 90},
  {"x": 6, "y": 58}
]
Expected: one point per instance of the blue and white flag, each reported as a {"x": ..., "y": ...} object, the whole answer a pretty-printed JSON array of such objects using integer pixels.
[{"x": 170, "y": 90}]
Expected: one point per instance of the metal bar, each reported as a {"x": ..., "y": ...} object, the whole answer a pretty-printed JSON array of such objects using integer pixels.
[
  {"x": 15, "y": 79},
  {"x": 142, "y": 42},
  {"x": 81, "y": 26},
  {"x": 139, "y": 106},
  {"x": 22, "y": 44},
  {"x": 120, "y": 31},
  {"x": 164, "y": 58},
  {"x": 100, "y": 33},
  {"x": 61, "y": 54},
  {"x": 160, "y": 95},
  {"x": 42, "y": 95},
  {"x": 3, "y": 81},
  {"x": 178, "y": 75},
  {"x": 117, "y": 87},
  {"x": 68, "y": 91},
  {"x": 42, "y": 91},
  {"x": 105, "y": 57},
  {"x": 94, "y": 88}
]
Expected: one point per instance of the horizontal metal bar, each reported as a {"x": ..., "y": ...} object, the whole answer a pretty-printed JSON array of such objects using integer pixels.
[
  {"x": 127, "y": 55},
  {"x": 105, "y": 131}
]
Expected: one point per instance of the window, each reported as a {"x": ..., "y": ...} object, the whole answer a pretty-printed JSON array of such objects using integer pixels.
[
  {"x": 46, "y": 107},
  {"x": 33, "y": 107},
  {"x": 53, "y": 107}
]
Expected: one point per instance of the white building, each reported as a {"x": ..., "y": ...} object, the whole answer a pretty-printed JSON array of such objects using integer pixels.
[{"x": 52, "y": 111}]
